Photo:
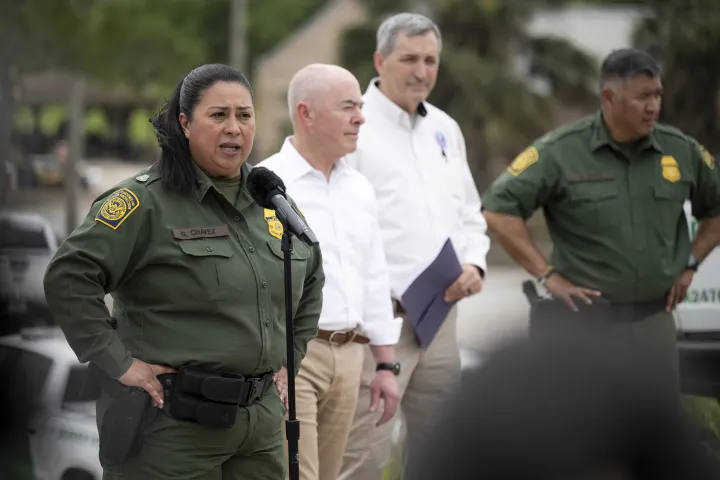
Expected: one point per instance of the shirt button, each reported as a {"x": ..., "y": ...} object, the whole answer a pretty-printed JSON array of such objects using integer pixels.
[
  {"x": 264, "y": 284},
  {"x": 267, "y": 323},
  {"x": 209, "y": 249},
  {"x": 237, "y": 219},
  {"x": 252, "y": 249}
]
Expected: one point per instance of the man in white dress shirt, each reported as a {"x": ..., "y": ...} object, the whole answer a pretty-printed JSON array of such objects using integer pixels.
[
  {"x": 414, "y": 156},
  {"x": 339, "y": 205}
]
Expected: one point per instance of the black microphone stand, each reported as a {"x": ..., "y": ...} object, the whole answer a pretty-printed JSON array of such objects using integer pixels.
[{"x": 292, "y": 426}]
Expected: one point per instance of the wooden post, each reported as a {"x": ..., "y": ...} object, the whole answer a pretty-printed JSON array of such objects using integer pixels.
[
  {"x": 238, "y": 35},
  {"x": 76, "y": 141},
  {"x": 239, "y": 47}
]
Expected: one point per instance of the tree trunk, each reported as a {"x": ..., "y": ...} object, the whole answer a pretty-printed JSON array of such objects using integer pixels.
[
  {"x": 7, "y": 123},
  {"x": 9, "y": 40},
  {"x": 479, "y": 156}
]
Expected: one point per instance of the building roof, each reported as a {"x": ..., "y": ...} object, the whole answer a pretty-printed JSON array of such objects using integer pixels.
[{"x": 55, "y": 87}]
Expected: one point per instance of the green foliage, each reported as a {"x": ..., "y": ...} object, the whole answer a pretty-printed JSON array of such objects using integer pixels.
[
  {"x": 141, "y": 41},
  {"x": 265, "y": 27},
  {"x": 706, "y": 412}
]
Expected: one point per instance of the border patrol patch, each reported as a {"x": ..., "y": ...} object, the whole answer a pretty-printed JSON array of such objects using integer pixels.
[
  {"x": 275, "y": 227},
  {"x": 521, "y": 163},
  {"x": 670, "y": 170},
  {"x": 707, "y": 158},
  {"x": 117, "y": 208}
]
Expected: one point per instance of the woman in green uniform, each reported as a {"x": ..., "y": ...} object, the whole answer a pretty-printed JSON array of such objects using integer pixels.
[{"x": 195, "y": 270}]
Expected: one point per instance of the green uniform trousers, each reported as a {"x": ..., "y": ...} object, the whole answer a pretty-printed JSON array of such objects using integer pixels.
[{"x": 253, "y": 449}]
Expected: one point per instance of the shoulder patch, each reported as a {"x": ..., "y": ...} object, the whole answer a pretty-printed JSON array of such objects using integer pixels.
[
  {"x": 117, "y": 208},
  {"x": 521, "y": 163},
  {"x": 707, "y": 158}
]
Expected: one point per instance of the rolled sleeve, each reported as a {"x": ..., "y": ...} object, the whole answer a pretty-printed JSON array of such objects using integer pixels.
[
  {"x": 706, "y": 195},
  {"x": 378, "y": 322},
  {"x": 385, "y": 332}
]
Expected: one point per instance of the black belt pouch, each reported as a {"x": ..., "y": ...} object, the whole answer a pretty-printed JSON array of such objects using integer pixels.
[{"x": 209, "y": 398}]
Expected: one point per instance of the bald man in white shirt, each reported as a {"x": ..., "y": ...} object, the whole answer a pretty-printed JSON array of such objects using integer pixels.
[
  {"x": 339, "y": 205},
  {"x": 414, "y": 156}
]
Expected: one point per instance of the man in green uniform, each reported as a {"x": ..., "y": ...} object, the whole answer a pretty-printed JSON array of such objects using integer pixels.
[
  {"x": 612, "y": 187},
  {"x": 138, "y": 241}
]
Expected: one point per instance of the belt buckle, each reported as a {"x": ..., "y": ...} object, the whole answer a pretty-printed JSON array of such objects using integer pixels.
[
  {"x": 350, "y": 336},
  {"x": 255, "y": 383}
]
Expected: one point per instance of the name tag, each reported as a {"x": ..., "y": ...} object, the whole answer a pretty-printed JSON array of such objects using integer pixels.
[
  {"x": 590, "y": 177},
  {"x": 201, "y": 232}
]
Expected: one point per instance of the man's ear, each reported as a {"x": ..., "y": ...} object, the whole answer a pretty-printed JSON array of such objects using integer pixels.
[
  {"x": 303, "y": 112},
  {"x": 379, "y": 62},
  {"x": 609, "y": 95}
]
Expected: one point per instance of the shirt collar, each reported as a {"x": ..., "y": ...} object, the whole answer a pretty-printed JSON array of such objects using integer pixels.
[
  {"x": 601, "y": 137},
  {"x": 389, "y": 108},
  {"x": 203, "y": 183},
  {"x": 295, "y": 165}
]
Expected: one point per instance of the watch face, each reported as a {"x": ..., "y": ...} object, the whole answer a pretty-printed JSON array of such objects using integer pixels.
[{"x": 393, "y": 367}]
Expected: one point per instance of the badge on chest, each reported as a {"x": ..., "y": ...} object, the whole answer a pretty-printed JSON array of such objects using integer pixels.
[
  {"x": 275, "y": 227},
  {"x": 670, "y": 170}
]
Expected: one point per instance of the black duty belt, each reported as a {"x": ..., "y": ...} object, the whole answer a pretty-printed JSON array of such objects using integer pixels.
[{"x": 211, "y": 398}]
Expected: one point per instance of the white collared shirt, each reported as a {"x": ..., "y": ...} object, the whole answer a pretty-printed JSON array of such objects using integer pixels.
[
  {"x": 425, "y": 191},
  {"x": 342, "y": 212}
]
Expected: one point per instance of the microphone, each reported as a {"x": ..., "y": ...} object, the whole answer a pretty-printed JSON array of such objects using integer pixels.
[{"x": 268, "y": 190}]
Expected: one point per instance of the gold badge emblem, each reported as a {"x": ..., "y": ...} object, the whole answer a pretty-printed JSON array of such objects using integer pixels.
[
  {"x": 523, "y": 161},
  {"x": 275, "y": 227},
  {"x": 707, "y": 158},
  {"x": 670, "y": 170},
  {"x": 117, "y": 208}
]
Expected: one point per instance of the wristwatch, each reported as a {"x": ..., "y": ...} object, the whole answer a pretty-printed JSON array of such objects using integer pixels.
[
  {"x": 692, "y": 263},
  {"x": 394, "y": 367},
  {"x": 543, "y": 279}
]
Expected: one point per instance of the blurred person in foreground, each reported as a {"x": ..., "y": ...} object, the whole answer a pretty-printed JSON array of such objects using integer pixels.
[
  {"x": 563, "y": 408},
  {"x": 195, "y": 269},
  {"x": 414, "y": 156},
  {"x": 612, "y": 187},
  {"x": 325, "y": 104}
]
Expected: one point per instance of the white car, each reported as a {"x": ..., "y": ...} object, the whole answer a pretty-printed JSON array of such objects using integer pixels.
[
  {"x": 27, "y": 244},
  {"x": 698, "y": 324},
  {"x": 50, "y": 386}
]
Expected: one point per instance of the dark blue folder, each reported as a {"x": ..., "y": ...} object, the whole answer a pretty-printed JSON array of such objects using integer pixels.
[{"x": 424, "y": 301}]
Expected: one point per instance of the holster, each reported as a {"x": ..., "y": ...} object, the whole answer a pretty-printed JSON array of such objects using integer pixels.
[
  {"x": 211, "y": 398},
  {"x": 129, "y": 413}
]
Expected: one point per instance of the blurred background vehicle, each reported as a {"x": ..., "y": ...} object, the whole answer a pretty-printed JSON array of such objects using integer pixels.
[
  {"x": 698, "y": 324},
  {"x": 52, "y": 397},
  {"x": 27, "y": 244}
]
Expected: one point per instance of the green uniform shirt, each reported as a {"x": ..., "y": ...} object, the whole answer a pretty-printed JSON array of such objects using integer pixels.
[
  {"x": 195, "y": 280},
  {"x": 614, "y": 212}
]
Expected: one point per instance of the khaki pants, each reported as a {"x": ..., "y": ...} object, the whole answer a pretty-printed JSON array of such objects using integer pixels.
[
  {"x": 325, "y": 397},
  {"x": 427, "y": 379}
]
